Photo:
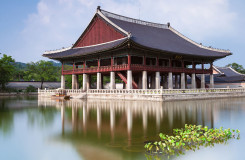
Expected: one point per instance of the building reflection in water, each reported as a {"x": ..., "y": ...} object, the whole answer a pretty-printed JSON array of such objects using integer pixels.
[{"x": 133, "y": 119}]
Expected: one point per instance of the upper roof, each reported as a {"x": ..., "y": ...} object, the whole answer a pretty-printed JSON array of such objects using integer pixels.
[{"x": 160, "y": 37}]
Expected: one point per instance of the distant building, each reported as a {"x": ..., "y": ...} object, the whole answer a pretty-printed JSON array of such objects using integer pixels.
[
  {"x": 142, "y": 54},
  {"x": 226, "y": 77},
  {"x": 21, "y": 85}
]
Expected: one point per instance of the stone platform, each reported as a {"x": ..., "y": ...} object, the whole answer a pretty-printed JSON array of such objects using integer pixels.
[{"x": 149, "y": 94}]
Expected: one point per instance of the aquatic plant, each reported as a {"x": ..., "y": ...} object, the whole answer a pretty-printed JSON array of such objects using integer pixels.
[{"x": 189, "y": 138}]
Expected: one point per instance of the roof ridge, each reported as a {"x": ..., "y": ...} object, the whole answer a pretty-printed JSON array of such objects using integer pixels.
[
  {"x": 197, "y": 44},
  {"x": 133, "y": 20},
  {"x": 57, "y": 50}
]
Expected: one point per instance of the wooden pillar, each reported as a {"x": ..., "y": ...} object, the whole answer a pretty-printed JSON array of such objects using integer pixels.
[
  {"x": 129, "y": 62},
  {"x": 157, "y": 61},
  {"x": 62, "y": 67},
  {"x": 112, "y": 62},
  {"x": 73, "y": 66}
]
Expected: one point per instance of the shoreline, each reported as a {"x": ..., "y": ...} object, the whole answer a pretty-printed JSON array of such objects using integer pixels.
[{"x": 18, "y": 93}]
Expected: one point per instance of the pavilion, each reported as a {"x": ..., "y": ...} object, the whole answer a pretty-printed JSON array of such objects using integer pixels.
[{"x": 142, "y": 54}]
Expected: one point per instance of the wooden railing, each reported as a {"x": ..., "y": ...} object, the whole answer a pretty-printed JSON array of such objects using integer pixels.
[{"x": 136, "y": 67}]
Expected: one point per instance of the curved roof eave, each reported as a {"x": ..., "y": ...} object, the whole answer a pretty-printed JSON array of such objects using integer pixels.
[{"x": 186, "y": 54}]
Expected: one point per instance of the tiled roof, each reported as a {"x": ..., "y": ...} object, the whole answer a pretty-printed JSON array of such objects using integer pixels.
[
  {"x": 156, "y": 36},
  {"x": 75, "y": 52},
  {"x": 162, "y": 37}
]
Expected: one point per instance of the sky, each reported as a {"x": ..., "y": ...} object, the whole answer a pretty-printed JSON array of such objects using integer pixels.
[{"x": 28, "y": 28}]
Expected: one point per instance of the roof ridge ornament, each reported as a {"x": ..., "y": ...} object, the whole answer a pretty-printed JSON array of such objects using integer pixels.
[
  {"x": 98, "y": 8},
  {"x": 132, "y": 20}
]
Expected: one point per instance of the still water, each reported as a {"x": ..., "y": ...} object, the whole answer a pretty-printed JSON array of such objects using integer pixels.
[{"x": 43, "y": 129}]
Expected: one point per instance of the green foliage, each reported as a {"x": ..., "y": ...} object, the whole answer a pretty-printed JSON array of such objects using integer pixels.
[
  {"x": 239, "y": 68},
  {"x": 31, "y": 88},
  {"x": 42, "y": 71},
  {"x": 189, "y": 138},
  {"x": 6, "y": 69}
]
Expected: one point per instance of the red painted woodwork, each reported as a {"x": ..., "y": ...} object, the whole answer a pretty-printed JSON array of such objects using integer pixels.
[
  {"x": 144, "y": 60},
  {"x": 98, "y": 32},
  {"x": 136, "y": 67},
  {"x": 129, "y": 62},
  {"x": 134, "y": 84}
]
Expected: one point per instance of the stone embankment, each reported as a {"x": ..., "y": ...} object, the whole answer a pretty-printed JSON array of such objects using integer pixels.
[{"x": 150, "y": 94}]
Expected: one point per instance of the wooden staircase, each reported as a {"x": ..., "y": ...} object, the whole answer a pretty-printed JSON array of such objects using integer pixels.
[{"x": 124, "y": 79}]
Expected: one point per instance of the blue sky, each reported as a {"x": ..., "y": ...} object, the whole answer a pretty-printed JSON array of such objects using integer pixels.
[{"x": 30, "y": 27}]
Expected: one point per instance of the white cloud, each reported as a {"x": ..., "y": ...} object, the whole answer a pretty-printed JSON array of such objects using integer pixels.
[{"x": 59, "y": 23}]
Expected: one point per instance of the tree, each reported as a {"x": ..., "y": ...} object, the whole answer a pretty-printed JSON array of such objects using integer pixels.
[
  {"x": 239, "y": 68},
  {"x": 42, "y": 71},
  {"x": 6, "y": 69}
]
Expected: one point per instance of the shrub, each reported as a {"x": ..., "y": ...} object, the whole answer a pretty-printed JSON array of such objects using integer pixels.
[{"x": 31, "y": 88}]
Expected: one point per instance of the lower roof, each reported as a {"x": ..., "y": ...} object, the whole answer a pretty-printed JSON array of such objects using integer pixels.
[{"x": 81, "y": 51}]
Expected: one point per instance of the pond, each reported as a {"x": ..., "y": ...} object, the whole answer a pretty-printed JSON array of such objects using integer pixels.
[{"x": 37, "y": 128}]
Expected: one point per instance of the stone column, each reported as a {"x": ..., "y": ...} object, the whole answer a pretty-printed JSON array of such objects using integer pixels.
[
  {"x": 202, "y": 80},
  {"x": 193, "y": 81},
  {"x": 157, "y": 80},
  {"x": 170, "y": 80},
  {"x": 176, "y": 81},
  {"x": 211, "y": 81},
  {"x": 62, "y": 85},
  {"x": 144, "y": 80},
  {"x": 74, "y": 81},
  {"x": 99, "y": 81},
  {"x": 85, "y": 78},
  {"x": 112, "y": 80},
  {"x": 129, "y": 79},
  {"x": 186, "y": 82},
  {"x": 182, "y": 80}
]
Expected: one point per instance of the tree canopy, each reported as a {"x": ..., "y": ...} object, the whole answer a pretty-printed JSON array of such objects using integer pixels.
[
  {"x": 42, "y": 71},
  {"x": 239, "y": 68},
  {"x": 6, "y": 69}
]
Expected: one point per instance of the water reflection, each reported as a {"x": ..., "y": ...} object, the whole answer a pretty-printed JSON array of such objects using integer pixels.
[
  {"x": 128, "y": 124},
  {"x": 113, "y": 128},
  {"x": 122, "y": 114}
]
